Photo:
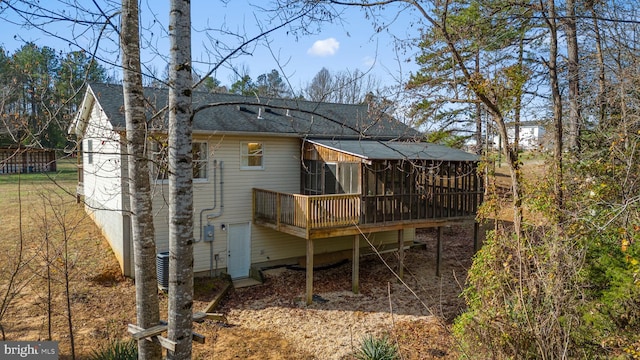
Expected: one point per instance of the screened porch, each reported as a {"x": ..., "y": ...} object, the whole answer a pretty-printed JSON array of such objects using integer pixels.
[{"x": 344, "y": 192}]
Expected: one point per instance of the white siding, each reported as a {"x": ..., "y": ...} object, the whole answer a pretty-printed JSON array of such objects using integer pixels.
[
  {"x": 103, "y": 179},
  {"x": 530, "y": 137}
]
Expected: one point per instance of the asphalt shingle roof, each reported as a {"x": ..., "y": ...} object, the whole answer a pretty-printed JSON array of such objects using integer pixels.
[
  {"x": 229, "y": 113},
  {"x": 396, "y": 150}
]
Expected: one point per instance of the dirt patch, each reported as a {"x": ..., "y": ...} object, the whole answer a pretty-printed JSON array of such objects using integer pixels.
[{"x": 416, "y": 314}]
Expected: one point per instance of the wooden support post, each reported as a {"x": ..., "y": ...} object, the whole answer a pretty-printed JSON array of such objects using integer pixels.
[
  {"x": 401, "y": 253},
  {"x": 309, "y": 271},
  {"x": 278, "y": 210},
  {"x": 438, "y": 250},
  {"x": 355, "y": 270},
  {"x": 476, "y": 230}
]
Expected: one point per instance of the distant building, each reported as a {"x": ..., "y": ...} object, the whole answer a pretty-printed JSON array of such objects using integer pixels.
[
  {"x": 531, "y": 135},
  {"x": 22, "y": 160}
]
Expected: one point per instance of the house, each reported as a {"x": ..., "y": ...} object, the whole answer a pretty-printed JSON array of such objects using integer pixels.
[
  {"x": 276, "y": 180},
  {"x": 531, "y": 135}
]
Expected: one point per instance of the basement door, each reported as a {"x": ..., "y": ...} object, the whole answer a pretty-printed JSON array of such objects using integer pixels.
[{"x": 239, "y": 250}]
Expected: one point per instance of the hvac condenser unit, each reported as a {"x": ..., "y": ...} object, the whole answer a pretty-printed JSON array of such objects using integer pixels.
[{"x": 162, "y": 270}]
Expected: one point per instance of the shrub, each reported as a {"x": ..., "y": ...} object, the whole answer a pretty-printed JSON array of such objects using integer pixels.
[
  {"x": 117, "y": 350},
  {"x": 524, "y": 297},
  {"x": 372, "y": 348}
]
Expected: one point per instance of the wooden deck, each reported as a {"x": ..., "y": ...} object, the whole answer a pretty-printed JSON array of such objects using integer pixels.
[{"x": 322, "y": 216}]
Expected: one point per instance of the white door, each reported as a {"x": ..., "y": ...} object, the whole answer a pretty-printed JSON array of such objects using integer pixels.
[{"x": 239, "y": 250}]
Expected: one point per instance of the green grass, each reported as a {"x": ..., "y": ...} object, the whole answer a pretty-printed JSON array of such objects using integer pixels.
[
  {"x": 66, "y": 173},
  {"x": 62, "y": 181}
]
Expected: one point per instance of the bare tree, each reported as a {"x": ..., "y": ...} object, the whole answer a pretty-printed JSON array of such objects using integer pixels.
[
  {"x": 12, "y": 277},
  {"x": 345, "y": 87},
  {"x": 599, "y": 55},
  {"x": 320, "y": 87},
  {"x": 62, "y": 225},
  {"x": 144, "y": 245},
  {"x": 180, "y": 181},
  {"x": 549, "y": 14},
  {"x": 573, "y": 75}
]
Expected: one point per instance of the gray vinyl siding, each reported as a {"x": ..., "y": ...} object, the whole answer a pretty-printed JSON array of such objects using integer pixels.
[
  {"x": 273, "y": 245},
  {"x": 281, "y": 172}
]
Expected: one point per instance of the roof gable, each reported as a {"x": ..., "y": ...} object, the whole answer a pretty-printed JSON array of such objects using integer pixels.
[{"x": 230, "y": 113}]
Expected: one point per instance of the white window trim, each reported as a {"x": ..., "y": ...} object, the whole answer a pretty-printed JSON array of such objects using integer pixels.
[
  {"x": 244, "y": 152},
  {"x": 90, "y": 151},
  {"x": 206, "y": 161},
  {"x": 195, "y": 180}
]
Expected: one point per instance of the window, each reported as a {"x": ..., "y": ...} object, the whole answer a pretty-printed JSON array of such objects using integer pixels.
[
  {"x": 251, "y": 154},
  {"x": 330, "y": 178},
  {"x": 312, "y": 177},
  {"x": 200, "y": 160},
  {"x": 89, "y": 151},
  {"x": 331, "y": 184},
  {"x": 349, "y": 178},
  {"x": 160, "y": 166},
  {"x": 159, "y": 161}
]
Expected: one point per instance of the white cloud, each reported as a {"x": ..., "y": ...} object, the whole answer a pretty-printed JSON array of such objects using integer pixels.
[
  {"x": 368, "y": 61},
  {"x": 326, "y": 47}
]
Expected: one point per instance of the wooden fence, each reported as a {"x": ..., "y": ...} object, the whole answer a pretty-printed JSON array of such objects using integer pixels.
[{"x": 26, "y": 160}]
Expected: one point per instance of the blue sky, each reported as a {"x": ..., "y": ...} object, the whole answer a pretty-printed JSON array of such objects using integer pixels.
[{"x": 349, "y": 45}]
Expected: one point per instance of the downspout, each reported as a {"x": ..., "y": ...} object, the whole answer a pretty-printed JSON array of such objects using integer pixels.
[
  {"x": 215, "y": 206},
  {"x": 215, "y": 198},
  {"x": 217, "y": 215}
]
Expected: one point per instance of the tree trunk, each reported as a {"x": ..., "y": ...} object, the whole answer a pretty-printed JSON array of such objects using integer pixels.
[
  {"x": 601, "y": 99},
  {"x": 144, "y": 246},
  {"x": 180, "y": 181},
  {"x": 511, "y": 155},
  {"x": 574, "y": 77},
  {"x": 517, "y": 109},
  {"x": 67, "y": 293},
  {"x": 478, "y": 114},
  {"x": 557, "y": 105}
]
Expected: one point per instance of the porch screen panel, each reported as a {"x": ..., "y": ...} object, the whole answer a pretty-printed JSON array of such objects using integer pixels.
[
  {"x": 348, "y": 178},
  {"x": 312, "y": 177},
  {"x": 330, "y": 179}
]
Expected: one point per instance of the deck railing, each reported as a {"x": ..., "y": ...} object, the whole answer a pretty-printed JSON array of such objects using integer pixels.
[
  {"x": 306, "y": 211},
  {"x": 312, "y": 212}
]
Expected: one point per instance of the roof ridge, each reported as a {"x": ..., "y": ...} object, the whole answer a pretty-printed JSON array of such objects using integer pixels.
[{"x": 218, "y": 112}]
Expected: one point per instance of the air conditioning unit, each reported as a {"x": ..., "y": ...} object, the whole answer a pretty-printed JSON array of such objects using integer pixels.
[{"x": 162, "y": 270}]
